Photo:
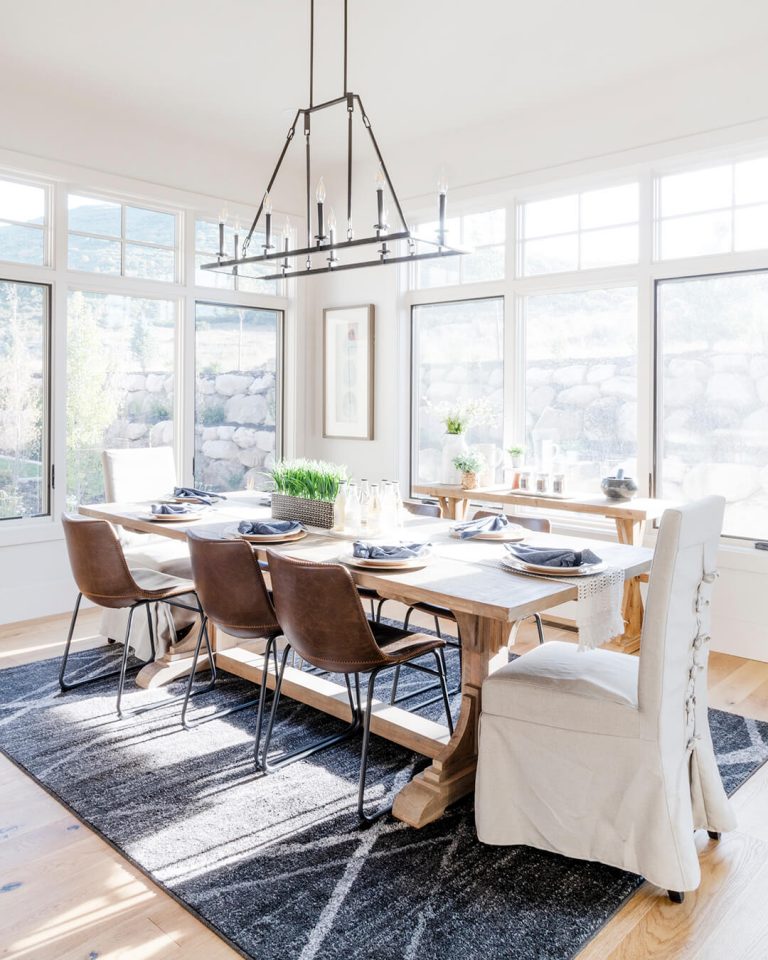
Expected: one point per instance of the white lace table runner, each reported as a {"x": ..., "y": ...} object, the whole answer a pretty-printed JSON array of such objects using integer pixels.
[{"x": 598, "y": 610}]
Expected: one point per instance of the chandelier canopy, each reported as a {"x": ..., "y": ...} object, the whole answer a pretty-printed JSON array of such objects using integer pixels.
[{"x": 323, "y": 251}]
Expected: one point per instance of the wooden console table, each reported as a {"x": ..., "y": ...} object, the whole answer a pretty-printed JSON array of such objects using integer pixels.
[{"x": 630, "y": 517}]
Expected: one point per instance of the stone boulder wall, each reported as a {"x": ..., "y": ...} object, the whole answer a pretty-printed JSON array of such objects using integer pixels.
[{"x": 235, "y": 430}]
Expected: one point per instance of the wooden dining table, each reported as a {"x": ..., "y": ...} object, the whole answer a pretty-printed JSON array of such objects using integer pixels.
[{"x": 466, "y": 576}]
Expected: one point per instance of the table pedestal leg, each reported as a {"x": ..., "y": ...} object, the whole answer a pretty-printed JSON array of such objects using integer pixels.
[
  {"x": 452, "y": 773},
  {"x": 631, "y": 532},
  {"x": 452, "y": 508}
]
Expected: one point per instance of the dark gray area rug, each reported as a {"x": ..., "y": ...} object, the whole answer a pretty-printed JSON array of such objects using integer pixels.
[{"x": 278, "y": 865}]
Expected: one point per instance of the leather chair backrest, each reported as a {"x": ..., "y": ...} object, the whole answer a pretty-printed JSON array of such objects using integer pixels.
[
  {"x": 540, "y": 524},
  {"x": 321, "y": 615},
  {"x": 422, "y": 508},
  {"x": 676, "y": 624},
  {"x": 230, "y": 587},
  {"x": 97, "y": 562}
]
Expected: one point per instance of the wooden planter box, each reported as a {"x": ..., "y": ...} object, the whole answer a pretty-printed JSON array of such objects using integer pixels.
[{"x": 315, "y": 513}]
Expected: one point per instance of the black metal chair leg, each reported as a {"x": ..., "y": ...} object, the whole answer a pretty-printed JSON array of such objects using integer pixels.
[
  {"x": 271, "y": 648},
  {"x": 124, "y": 663},
  {"x": 347, "y": 734},
  {"x": 68, "y": 685},
  {"x": 539, "y": 627},
  {"x": 373, "y": 609},
  {"x": 381, "y": 603},
  {"x": 189, "y": 724},
  {"x": 364, "y": 817},
  {"x": 676, "y": 896},
  {"x": 395, "y": 681}
]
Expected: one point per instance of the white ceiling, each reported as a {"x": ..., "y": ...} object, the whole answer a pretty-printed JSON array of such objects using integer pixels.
[{"x": 235, "y": 71}]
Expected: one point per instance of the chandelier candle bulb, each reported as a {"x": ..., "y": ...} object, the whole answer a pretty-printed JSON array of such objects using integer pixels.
[
  {"x": 268, "y": 222},
  {"x": 320, "y": 197},
  {"x": 442, "y": 190},
  {"x": 222, "y": 221},
  {"x": 380, "y": 198}
]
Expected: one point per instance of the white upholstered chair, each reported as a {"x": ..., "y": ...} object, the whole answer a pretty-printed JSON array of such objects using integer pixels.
[
  {"x": 136, "y": 475},
  {"x": 604, "y": 756}
]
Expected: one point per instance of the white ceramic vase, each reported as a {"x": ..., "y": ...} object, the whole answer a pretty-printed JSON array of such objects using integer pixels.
[{"x": 453, "y": 445}]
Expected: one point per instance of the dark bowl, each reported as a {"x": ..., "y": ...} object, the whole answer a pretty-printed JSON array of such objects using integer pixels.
[{"x": 618, "y": 488}]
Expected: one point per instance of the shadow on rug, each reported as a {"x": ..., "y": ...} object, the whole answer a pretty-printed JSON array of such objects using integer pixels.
[{"x": 278, "y": 865}]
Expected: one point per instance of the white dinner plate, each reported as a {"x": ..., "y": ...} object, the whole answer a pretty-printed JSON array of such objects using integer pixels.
[
  {"x": 272, "y": 537},
  {"x": 411, "y": 563},
  {"x": 585, "y": 570},
  {"x": 171, "y": 517},
  {"x": 509, "y": 534}
]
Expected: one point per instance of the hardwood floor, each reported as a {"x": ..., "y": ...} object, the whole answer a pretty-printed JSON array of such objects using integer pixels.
[{"x": 67, "y": 895}]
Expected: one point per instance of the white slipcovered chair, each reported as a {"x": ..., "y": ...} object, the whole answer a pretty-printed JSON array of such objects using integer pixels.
[
  {"x": 603, "y": 756},
  {"x": 136, "y": 475}
]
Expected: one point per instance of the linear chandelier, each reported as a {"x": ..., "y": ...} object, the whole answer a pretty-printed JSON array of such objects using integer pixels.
[{"x": 324, "y": 244}]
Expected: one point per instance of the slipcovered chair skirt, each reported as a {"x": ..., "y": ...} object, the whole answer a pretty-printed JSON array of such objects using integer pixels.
[{"x": 604, "y": 756}]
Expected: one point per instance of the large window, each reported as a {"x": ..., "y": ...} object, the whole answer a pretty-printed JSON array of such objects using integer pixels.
[
  {"x": 23, "y": 222},
  {"x": 458, "y": 360},
  {"x": 120, "y": 382},
  {"x": 483, "y": 232},
  {"x": 581, "y": 383},
  {"x": 237, "y": 395},
  {"x": 712, "y": 403},
  {"x": 122, "y": 239},
  {"x": 721, "y": 209},
  {"x": 249, "y": 277},
  {"x": 581, "y": 231},
  {"x": 24, "y": 334}
]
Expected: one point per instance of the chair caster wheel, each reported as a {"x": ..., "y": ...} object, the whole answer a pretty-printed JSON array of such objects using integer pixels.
[
  {"x": 713, "y": 834},
  {"x": 676, "y": 896}
]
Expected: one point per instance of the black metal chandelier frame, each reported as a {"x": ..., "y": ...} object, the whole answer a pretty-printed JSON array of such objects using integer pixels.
[{"x": 322, "y": 242}]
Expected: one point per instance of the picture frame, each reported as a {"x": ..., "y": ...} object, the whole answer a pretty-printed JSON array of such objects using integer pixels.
[{"x": 348, "y": 372}]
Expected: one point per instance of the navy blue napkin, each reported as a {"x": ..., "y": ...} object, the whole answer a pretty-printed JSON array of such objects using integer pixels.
[
  {"x": 471, "y": 528},
  {"x": 395, "y": 551},
  {"x": 552, "y": 557},
  {"x": 166, "y": 508},
  {"x": 268, "y": 528},
  {"x": 202, "y": 496}
]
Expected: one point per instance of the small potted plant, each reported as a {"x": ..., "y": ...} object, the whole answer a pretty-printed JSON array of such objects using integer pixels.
[
  {"x": 305, "y": 490},
  {"x": 516, "y": 453},
  {"x": 457, "y": 418},
  {"x": 469, "y": 465}
]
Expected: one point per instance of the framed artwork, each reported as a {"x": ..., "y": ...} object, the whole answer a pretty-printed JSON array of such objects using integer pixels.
[{"x": 348, "y": 338}]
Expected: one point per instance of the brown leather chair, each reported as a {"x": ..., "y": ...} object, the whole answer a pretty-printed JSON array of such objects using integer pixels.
[
  {"x": 234, "y": 597},
  {"x": 103, "y": 577},
  {"x": 541, "y": 524},
  {"x": 323, "y": 621}
]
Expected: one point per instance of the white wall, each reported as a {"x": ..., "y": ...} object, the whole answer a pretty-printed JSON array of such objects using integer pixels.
[{"x": 376, "y": 459}]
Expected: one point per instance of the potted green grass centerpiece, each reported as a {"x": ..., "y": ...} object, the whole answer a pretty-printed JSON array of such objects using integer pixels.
[
  {"x": 304, "y": 490},
  {"x": 469, "y": 465}
]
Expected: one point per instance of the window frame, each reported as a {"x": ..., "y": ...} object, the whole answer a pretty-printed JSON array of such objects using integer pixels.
[
  {"x": 48, "y": 467},
  {"x": 464, "y": 210},
  {"x": 125, "y": 201},
  {"x": 412, "y": 357},
  {"x": 658, "y": 396},
  {"x": 521, "y": 240},
  {"x": 279, "y": 368},
  {"x": 47, "y": 227}
]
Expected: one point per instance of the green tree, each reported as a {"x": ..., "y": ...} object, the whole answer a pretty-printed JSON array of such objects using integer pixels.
[{"x": 92, "y": 401}]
